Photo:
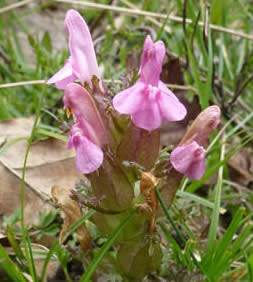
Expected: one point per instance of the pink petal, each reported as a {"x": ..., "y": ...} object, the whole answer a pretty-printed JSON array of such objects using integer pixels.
[
  {"x": 151, "y": 63},
  {"x": 84, "y": 61},
  {"x": 148, "y": 115},
  {"x": 189, "y": 160},
  {"x": 89, "y": 156},
  {"x": 86, "y": 112},
  {"x": 140, "y": 101},
  {"x": 171, "y": 108},
  {"x": 63, "y": 77},
  {"x": 129, "y": 100},
  {"x": 197, "y": 169},
  {"x": 148, "y": 119}
]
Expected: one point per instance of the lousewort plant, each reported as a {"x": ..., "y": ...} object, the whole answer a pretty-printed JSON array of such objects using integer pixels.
[{"x": 117, "y": 144}]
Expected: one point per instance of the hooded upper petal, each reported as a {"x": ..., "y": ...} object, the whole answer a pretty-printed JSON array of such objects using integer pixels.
[
  {"x": 82, "y": 63},
  {"x": 81, "y": 47},
  {"x": 189, "y": 160},
  {"x": 203, "y": 126},
  {"x": 151, "y": 62},
  {"x": 89, "y": 156},
  {"x": 84, "y": 108}
]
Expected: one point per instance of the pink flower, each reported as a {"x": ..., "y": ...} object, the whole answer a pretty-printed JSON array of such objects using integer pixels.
[
  {"x": 87, "y": 135},
  {"x": 82, "y": 63},
  {"x": 189, "y": 160},
  {"x": 189, "y": 157},
  {"x": 89, "y": 156},
  {"x": 149, "y": 101}
]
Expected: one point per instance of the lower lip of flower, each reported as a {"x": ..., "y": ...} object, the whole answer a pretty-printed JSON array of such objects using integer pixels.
[
  {"x": 152, "y": 91},
  {"x": 199, "y": 153}
]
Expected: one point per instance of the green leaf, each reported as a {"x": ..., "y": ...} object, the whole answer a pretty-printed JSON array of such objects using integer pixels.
[
  {"x": 250, "y": 268},
  {"x": 195, "y": 198},
  {"x": 32, "y": 268},
  {"x": 226, "y": 240},
  {"x": 218, "y": 258},
  {"x": 137, "y": 258},
  {"x": 52, "y": 134},
  {"x": 12, "y": 219},
  {"x": 175, "y": 227},
  {"x": 196, "y": 76},
  {"x": 47, "y": 260},
  {"x": 168, "y": 215},
  {"x": 4, "y": 112},
  {"x": 160, "y": 32},
  {"x": 13, "y": 242},
  {"x": 10, "y": 267},
  {"x": 216, "y": 12},
  {"x": 215, "y": 216},
  {"x": 208, "y": 84},
  {"x": 98, "y": 258},
  {"x": 47, "y": 218},
  {"x": 178, "y": 253}
]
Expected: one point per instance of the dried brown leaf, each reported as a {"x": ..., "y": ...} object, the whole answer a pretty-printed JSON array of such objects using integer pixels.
[
  {"x": 72, "y": 212},
  {"x": 241, "y": 165},
  {"x": 49, "y": 162}
]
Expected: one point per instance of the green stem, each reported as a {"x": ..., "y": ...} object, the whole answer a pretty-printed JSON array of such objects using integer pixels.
[
  {"x": 22, "y": 192},
  {"x": 168, "y": 216}
]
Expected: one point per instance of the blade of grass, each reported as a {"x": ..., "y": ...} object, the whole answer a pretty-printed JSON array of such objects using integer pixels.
[
  {"x": 217, "y": 203},
  {"x": 226, "y": 240},
  {"x": 10, "y": 267},
  {"x": 33, "y": 269},
  {"x": 52, "y": 134},
  {"x": 175, "y": 228},
  {"x": 4, "y": 111},
  {"x": 13, "y": 242},
  {"x": 239, "y": 125},
  {"x": 177, "y": 250},
  {"x": 10, "y": 143},
  {"x": 196, "y": 199},
  {"x": 47, "y": 260},
  {"x": 25, "y": 240},
  {"x": 98, "y": 258},
  {"x": 250, "y": 268},
  {"x": 196, "y": 76},
  {"x": 208, "y": 84},
  {"x": 242, "y": 237},
  {"x": 168, "y": 216}
]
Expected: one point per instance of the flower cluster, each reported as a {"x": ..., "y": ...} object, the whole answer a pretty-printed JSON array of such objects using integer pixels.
[
  {"x": 148, "y": 102},
  {"x": 117, "y": 144}
]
